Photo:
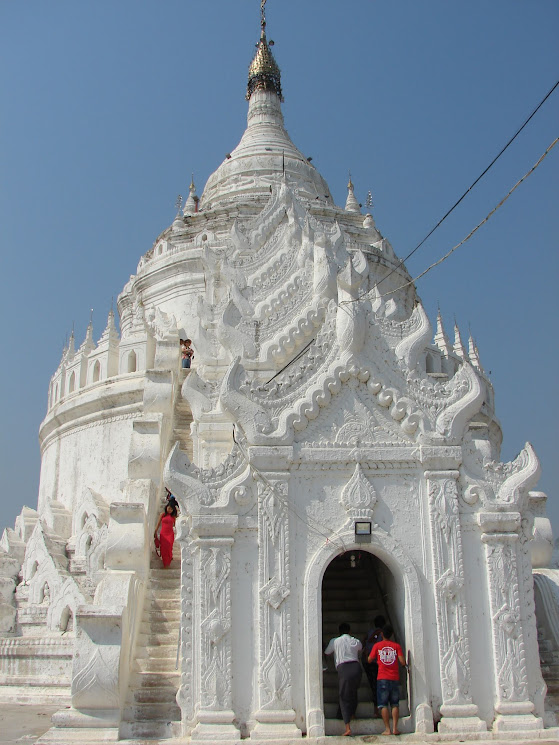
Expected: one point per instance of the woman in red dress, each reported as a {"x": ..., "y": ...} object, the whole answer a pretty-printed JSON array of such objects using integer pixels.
[{"x": 167, "y": 535}]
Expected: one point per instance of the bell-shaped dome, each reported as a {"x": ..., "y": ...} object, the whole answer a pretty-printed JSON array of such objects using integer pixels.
[{"x": 265, "y": 151}]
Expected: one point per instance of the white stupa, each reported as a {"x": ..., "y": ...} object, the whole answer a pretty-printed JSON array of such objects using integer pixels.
[{"x": 332, "y": 461}]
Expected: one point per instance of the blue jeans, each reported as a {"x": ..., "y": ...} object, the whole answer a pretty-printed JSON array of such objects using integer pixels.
[{"x": 388, "y": 691}]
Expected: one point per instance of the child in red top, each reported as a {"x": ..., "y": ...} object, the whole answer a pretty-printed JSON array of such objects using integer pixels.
[{"x": 388, "y": 654}]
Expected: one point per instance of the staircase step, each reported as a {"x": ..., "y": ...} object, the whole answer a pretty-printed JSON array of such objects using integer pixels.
[
  {"x": 166, "y": 711},
  {"x": 153, "y": 695},
  {"x": 147, "y": 730},
  {"x": 154, "y": 664},
  {"x": 165, "y": 679}
]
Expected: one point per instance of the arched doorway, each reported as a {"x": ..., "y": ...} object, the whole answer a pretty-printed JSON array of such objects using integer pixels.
[
  {"x": 357, "y": 586},
  {"x": 405, "y": 594}
]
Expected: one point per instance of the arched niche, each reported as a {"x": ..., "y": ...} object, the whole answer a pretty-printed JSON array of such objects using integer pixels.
[{"x": 132, "y": 362}]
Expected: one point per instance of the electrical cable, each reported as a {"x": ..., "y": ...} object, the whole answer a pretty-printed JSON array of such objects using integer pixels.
[
  {"x": 332, "y": 536},
  {"x": 468, "y": 190},
  {"x": 470, "y": 234},
  {"x": 477, "y": 227}
]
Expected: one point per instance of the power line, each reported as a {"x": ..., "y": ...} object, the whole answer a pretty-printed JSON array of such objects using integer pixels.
[
  {"x": 477, "y": 227},
  {"x": 468, "y": 190},
  {"x": 331, "y": 535}
]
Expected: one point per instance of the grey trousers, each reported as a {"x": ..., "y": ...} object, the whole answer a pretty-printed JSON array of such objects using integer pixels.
[{"x": 349, "y": 678}]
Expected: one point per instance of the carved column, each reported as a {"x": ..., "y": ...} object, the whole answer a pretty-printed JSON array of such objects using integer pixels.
[
  {"x": 459, "y": 712},
  {"x": 513, "y": 708},
  {"x": 275, "y": 716},
  {"x": 212, "y": 628}
]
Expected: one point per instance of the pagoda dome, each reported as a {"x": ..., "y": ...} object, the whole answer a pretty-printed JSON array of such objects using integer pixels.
[{"x": 265, "y": 152}]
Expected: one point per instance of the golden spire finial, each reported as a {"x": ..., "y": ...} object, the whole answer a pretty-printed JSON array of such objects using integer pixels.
[{"x": 264, "y": 73}]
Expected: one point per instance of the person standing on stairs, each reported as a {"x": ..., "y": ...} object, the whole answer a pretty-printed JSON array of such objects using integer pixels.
[
  {"x": 187, "y": 353},
  {"x": 374, "y": 635},
  {"x": 346, "y": 651},
  {"x": 167, "y": 535},
  {"x": 389, "y": 654}
]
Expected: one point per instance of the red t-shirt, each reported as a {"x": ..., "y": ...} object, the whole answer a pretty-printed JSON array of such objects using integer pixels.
[{"x": 386, "y": 652}]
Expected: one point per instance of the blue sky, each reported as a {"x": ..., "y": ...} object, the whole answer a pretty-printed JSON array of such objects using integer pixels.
[{"x": 108, "y": 107}]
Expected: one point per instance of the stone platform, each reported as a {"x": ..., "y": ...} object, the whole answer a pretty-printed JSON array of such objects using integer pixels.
[{"x": 27, "y": 724}]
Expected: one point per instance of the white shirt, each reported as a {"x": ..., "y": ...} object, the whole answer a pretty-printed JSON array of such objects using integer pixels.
[{"x": 346, "y": 648}]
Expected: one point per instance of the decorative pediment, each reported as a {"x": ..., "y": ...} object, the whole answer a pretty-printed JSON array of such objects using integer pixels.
[
  {"x": 48, "y": 581},
  {"x": 504, "y": 484},
  {"x": 353, "y": 420},
  {"x": 198, "y": 489}
]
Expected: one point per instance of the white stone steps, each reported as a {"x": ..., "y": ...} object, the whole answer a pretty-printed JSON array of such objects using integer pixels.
[
  {"x": 165, "y": 577},
  {"x": 30, "y": 694},
  {"x": 167, "y": 615},
  {"x": 164, "y": 606},
  {"x": 155, "y": 640},
  {"x": 165, "y": 593},
  {"x": 166, "y": 711},
  {"x": 164, "y": 679},
  {"x": 151, "y": 711},
  {"x": 154, "y": 664},
  {"x": 364, "y": 726},
  {"x": 70, "y": 735},
  {"x": 158, "y": 651},
  {"x": 149, "y": 730},
  {"x": 160, "y": 628},
  {"x": 154, "y": 695}
]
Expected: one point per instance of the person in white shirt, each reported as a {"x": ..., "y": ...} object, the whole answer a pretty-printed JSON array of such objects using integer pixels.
[{"x": 346, "y": 649}]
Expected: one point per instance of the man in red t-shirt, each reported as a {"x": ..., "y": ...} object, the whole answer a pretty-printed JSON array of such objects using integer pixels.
[{"x": 388, "y": 654}]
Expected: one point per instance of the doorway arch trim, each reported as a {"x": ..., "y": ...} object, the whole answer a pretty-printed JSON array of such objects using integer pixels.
[{"x": 389, "y": 551}]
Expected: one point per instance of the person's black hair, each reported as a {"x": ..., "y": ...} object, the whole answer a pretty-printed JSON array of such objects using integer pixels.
[
  {"x": 170, "y": 503},
  {"x": 379, "y": 621},
  {"x": 344, "y": 628},
  {"x": 387, "y": 631}
]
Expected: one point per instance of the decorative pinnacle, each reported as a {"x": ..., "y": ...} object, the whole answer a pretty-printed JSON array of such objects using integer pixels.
[{"x": 264, "y": 73}]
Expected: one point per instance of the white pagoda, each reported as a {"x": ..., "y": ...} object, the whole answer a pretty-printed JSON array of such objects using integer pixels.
[{"x": 333, "y": 458}]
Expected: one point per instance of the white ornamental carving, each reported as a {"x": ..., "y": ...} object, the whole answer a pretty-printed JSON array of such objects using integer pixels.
[
  {"x": 449, "y": 583},
  {"x": 274, "y": 592},
  {"x": 358, "y": 496},
  {"x": 215, "y": 615},
  {"x": 508, "y": 648},
  {"x": 275, "y": 676}
]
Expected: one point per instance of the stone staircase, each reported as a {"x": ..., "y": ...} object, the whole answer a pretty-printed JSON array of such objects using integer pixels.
[
  {"x": 151, "y": 712},
  {"x": 351, "y": 595},
  {"x": 549, "y": 659},
  {"x": 182, "y": 421}
]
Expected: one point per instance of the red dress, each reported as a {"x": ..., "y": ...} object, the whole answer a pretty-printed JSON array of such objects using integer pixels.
[{"x": 166, "y": 539}]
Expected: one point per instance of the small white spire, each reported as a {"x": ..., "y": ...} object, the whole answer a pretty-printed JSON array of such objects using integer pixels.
[
  {"x": 110, "y": 333},
  {"x": 458, "y": 344},
  {"x": 351, "y": 205},
  {"x": 191, "y": 204},
  {"x": 88, "y": 344},
  {"x": 473, "y": 354},
  {"x": 441, "y": 339},
  {"x": 71, "y": 350}
]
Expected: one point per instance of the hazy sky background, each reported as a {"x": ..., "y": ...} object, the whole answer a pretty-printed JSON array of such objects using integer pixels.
[{"x": 109, "y": 106}]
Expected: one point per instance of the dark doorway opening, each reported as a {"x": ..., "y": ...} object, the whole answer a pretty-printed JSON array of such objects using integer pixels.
[{"x": 357, "y": 586}]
